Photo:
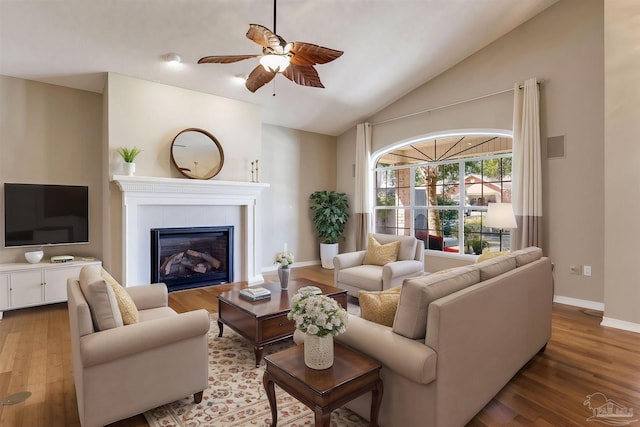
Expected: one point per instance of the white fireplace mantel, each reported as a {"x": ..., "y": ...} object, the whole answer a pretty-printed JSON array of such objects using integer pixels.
[{"x": 139, "y": 192}]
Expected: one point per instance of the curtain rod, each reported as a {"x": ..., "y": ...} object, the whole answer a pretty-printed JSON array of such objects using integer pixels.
[{"x": 448, "y": 105}]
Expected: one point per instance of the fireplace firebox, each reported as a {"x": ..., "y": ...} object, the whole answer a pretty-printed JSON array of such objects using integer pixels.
[{"x": 192, "y": 257}]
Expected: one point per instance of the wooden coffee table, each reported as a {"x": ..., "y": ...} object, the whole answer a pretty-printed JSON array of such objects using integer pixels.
[
  {"x": 351, "y": 375},
  {"x": 265, "y": 321}
]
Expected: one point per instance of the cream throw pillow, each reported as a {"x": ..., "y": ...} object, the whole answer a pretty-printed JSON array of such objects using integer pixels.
[
  {"x": 378, "y": 254},
  {"x": 101, "y": 299},
  {"x": 379, "y": 306},
  {"x": 525, "y": 256},
  {"x": 128, "y": 309}
]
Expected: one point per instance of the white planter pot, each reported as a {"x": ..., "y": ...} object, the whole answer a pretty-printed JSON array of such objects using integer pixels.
[
  {"x": 128, "y": 168},
  {"x": 327, "y": 252}
]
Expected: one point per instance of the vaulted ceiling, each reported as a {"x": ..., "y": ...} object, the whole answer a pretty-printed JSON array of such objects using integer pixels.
[{"x": 390, "y": 47}]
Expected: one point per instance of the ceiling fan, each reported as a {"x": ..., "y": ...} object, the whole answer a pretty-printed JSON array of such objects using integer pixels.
[{"x": 293, "y": 60}]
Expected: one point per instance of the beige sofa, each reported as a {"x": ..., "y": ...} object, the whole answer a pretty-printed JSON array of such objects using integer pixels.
[
  {"x": 351, "y": 274},
  {"x": 123, "y": 370},
  {"x": 458, "y": 337}
]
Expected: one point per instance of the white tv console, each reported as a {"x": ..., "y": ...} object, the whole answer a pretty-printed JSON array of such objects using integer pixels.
[{"x": 28, "y": 285}]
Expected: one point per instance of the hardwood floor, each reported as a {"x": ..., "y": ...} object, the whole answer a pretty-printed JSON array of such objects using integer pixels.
[{"x": 581, "y": 358}]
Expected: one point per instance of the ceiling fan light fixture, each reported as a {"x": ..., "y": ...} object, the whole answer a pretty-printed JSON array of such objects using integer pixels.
[{"x": 275, "y": 63}]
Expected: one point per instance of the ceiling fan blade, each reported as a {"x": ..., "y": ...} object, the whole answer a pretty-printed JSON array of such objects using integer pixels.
[
  {"x": 224, "y": 59},
  {"x": 266, "y": 38},
  {"x": 311, "y": 54},
  {"x": 304, "y": 75},
  {"x": 258, "y": 78}
]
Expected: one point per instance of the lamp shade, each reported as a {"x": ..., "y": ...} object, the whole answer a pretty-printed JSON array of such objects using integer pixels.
[
  {"x": 275, "y": 63},
  {"x": 500, "y": 215}
]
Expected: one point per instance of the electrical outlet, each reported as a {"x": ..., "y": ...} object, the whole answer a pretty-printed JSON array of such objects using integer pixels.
[
  {"x": 575, "y": 269},
  {"x": 586, "y": 270}
]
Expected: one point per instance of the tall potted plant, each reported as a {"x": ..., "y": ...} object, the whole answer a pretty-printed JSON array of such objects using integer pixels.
[{"x": 331, "y": 214}]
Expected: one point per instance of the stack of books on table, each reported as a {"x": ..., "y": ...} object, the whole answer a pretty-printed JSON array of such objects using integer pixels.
[{"x": 255, "y": 293}]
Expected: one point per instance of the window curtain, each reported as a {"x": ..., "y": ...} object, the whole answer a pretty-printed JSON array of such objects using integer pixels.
[
  {"x": 362, "y": 206},
  {"x": 527, "y": 171}
]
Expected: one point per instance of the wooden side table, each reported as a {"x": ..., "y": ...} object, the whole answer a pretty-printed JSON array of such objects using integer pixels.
[{"x": 351, "y": 375}]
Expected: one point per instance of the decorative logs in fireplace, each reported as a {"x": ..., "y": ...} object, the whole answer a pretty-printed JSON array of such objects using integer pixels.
[
  {"x": 192, "y": 257},
  {"x": 199, "y": 262}
]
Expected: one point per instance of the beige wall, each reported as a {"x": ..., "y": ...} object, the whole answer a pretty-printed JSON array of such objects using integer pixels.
[
  {"x": 149, "y": 115},
  {"x": 564, "y": 47},
  {"x": 41, "y": 122},
  {"x": 622, "y": 157},
  {"x": 52, "y": 135},
  {"x": 295, "y": 163}
]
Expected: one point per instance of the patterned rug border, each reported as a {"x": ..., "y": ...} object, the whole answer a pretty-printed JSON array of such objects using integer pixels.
[{"x": 235, "y": 396}]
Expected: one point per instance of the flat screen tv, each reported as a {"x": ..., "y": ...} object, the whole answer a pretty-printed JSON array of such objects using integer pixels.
[{"x": 44, "y": 214}]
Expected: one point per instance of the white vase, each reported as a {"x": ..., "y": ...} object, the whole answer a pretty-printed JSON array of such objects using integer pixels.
[
  {"x": 128, "y": 168},
  {"x": 327, "y": 252},
  {"x": 318, "y": 351},
  {"x": 283, "y": 275}
]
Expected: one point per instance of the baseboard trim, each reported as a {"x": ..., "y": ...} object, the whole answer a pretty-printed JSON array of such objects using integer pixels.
[
  {"x": 297, "y": 264},
  {"x": 576, "y": 302},
  {"x": 620, "y": 324},
  {"x": 592, "y": 305}
]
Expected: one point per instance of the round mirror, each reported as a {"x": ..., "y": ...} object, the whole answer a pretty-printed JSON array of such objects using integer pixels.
[{"x": 197, "y": 154}]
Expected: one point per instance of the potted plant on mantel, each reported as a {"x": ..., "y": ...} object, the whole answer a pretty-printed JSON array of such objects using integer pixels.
[
  {"x": 129, "y": 156},
  {"x": 331, "y": 214}
]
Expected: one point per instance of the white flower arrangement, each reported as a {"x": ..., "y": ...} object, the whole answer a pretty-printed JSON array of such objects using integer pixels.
[
  {"x": 317, "y": 314},
  {"x": 284, "y": 259}
]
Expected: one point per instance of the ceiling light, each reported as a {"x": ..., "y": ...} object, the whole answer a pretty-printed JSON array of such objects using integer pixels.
[
  {"x": 275, "y": 63},
  {"x": 173, "y": 58}
]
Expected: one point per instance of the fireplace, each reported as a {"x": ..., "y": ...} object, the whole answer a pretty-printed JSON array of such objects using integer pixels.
[{"x": 191, "y": 257}]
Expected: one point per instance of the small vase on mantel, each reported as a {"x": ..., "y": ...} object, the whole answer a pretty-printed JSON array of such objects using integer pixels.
[
  {"x": 128, "y": 168},
  {"x": 283, "y": 276},
  {"x": 318, "y": 351}
]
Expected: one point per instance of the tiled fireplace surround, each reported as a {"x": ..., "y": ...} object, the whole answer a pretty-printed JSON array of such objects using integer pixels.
[{"x": 151, "y": 202}]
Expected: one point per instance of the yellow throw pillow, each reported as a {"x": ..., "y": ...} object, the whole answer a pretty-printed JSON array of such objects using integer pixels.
[
  {"x": 486, "y": 254},
  {"x": 378, "y": 254},
  {"x": 128, "y": 309},
  {"x": 379, "y": 307}
]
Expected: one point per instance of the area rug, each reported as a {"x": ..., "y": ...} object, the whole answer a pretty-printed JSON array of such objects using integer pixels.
[{"x": 236, "y": 396}]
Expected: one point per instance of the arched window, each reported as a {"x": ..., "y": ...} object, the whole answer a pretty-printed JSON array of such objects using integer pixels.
[{"x": 438, "y": 188}]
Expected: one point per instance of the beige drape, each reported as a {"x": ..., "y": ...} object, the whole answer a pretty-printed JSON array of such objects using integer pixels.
[
  {"x": 362, "y": 205},
  {"x": 527, "y": 169}
]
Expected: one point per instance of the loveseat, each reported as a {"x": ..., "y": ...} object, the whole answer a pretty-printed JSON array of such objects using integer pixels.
[
  {"x": 121, "y": 369},
  {"x": 457, "y": 338}
]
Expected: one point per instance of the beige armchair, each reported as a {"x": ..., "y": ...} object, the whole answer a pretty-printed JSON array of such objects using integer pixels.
[
  {"x": 123, "y": 370},
  {"x": 351, "y": 274}
]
